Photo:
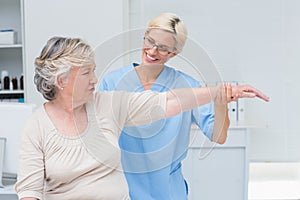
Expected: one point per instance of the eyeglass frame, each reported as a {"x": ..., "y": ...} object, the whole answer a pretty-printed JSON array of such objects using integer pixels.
[{"x": 158, "y": 47}]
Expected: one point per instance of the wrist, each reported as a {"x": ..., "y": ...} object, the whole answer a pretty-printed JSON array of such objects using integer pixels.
[{"x": 213, "y": 92}]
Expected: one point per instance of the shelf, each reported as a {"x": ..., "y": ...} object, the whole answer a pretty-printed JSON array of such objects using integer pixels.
[
  {"x": 11, "y": 91},
  {"x": 6, "y": 46},
  {"x": 12, "y": 49}
]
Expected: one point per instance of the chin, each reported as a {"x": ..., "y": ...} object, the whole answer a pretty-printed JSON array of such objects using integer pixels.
[{"x": 89, "y": 96}]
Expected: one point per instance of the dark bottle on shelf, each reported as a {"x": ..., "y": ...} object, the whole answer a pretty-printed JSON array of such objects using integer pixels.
[
  {"x": 21, "y": 82},
  {"x": 14, "y": 81},
  {"x": 6, "y": 83}
]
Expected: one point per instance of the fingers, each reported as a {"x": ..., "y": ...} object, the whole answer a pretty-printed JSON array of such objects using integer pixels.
[
  {"x": 247, "y": 95},
  {"x": 251, "y": 92},
  {"x": 245, "y": 91},
  {"x": 263, "y": 96},
  {"x": 230, "y": 93}
]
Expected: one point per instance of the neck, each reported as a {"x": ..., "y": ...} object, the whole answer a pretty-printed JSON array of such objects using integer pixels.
[
  {"x": 149, "y": 73},
  {"x": 66, "y": 105},
  {"x": 67, "y": 119}
]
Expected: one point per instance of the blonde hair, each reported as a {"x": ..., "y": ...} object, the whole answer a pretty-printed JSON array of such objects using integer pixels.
[
  {"x": 171, "y": 23},
  {"x": 56, "y": 59}
]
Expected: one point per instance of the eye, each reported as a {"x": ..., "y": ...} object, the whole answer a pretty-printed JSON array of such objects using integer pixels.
[
  {"x": 85, "y": 72},
  {"x": 150, "y": 41},
  {"x": 163, "y": 48}
]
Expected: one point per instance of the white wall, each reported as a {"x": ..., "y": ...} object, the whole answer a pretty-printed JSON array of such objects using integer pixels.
[
  {"x": 273, "y": 53},
  {"x": 255, "y": 42},
  {"x": 94, "y": 21}
]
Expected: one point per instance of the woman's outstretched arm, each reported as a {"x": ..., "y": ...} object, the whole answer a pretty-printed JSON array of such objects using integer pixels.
[
  {"x": 181, "y": 100},
  {"x": 184, "y": 99}
]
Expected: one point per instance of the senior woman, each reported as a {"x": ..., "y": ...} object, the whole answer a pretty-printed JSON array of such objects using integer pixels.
[{"x": 69, "y": 146}]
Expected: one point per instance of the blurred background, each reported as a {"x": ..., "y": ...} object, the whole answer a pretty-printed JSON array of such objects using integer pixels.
[{"x": 255, "y": 42}]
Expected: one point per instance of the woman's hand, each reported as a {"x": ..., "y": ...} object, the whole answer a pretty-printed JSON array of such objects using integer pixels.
[
  {"x": 247, "y": 91},
  {"x": 227, "y": 93}
]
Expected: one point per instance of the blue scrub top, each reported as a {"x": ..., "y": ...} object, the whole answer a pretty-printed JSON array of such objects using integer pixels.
[{"x": 152, "y": 154}]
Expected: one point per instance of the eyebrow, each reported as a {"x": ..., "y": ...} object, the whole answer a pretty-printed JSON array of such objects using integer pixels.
[
  {"x": 159, "y": 44},
  {"x": 85, "y": 69}
]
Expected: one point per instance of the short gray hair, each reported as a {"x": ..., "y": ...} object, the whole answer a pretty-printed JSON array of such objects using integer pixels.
[{"x": 56, "y": 59}]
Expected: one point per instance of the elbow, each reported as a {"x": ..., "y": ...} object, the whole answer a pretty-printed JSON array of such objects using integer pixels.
[
  {"x": 221, "y": 140},
  {"x": 221, "y": 136}
]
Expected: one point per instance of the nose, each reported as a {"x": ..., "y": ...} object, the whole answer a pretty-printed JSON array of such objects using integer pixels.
[
  {"x": 153, "y": 50},
  {"x": 94, "y": 79}
]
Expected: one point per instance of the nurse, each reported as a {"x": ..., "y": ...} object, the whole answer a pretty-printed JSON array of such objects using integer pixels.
[{"x": 162, "y": 146}]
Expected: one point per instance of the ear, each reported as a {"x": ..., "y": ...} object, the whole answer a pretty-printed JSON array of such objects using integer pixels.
[
  {"x": 62, "y": 81},
  {"x": 172, "y": 54}
]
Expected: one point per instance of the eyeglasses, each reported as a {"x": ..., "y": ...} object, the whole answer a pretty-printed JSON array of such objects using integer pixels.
[{"x": 162, "y": 49}]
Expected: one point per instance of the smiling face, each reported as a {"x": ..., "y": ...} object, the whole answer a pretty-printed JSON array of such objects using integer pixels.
[{"x": 159, "y": 47}]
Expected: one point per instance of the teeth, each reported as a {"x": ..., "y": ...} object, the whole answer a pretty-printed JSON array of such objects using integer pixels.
[{"x": 150, "y": 57}]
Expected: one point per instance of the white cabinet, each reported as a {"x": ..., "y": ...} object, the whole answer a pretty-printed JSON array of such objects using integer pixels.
[
  {"x": 216, "y": 172},
  {"x": 15, "y": 116},
  {"x": 11, "y": 55},
  {"x": 8, "y": 194}
]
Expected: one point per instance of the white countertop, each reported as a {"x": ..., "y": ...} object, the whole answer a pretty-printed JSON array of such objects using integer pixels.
[{"x": 9, "y": 189}]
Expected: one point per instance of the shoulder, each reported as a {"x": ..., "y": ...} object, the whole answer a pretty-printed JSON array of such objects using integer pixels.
[
  {"x": 119, "y": 79},
  {"x": 118, "y": 72},
  {"x": 36, "y": 117},
  {"x": 36, "y": 125}
]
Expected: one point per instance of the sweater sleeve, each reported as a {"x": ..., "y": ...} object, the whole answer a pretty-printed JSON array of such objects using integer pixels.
[
  {"x": 145, "y": 107},
  {"x": 130, "y": 108},
  {"x": 31, "y": 162}
]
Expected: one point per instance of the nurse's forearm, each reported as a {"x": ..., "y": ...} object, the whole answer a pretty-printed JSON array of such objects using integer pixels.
[
  {"x": 180, "y": 100},
  {"x": 221, "y": 124}
]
